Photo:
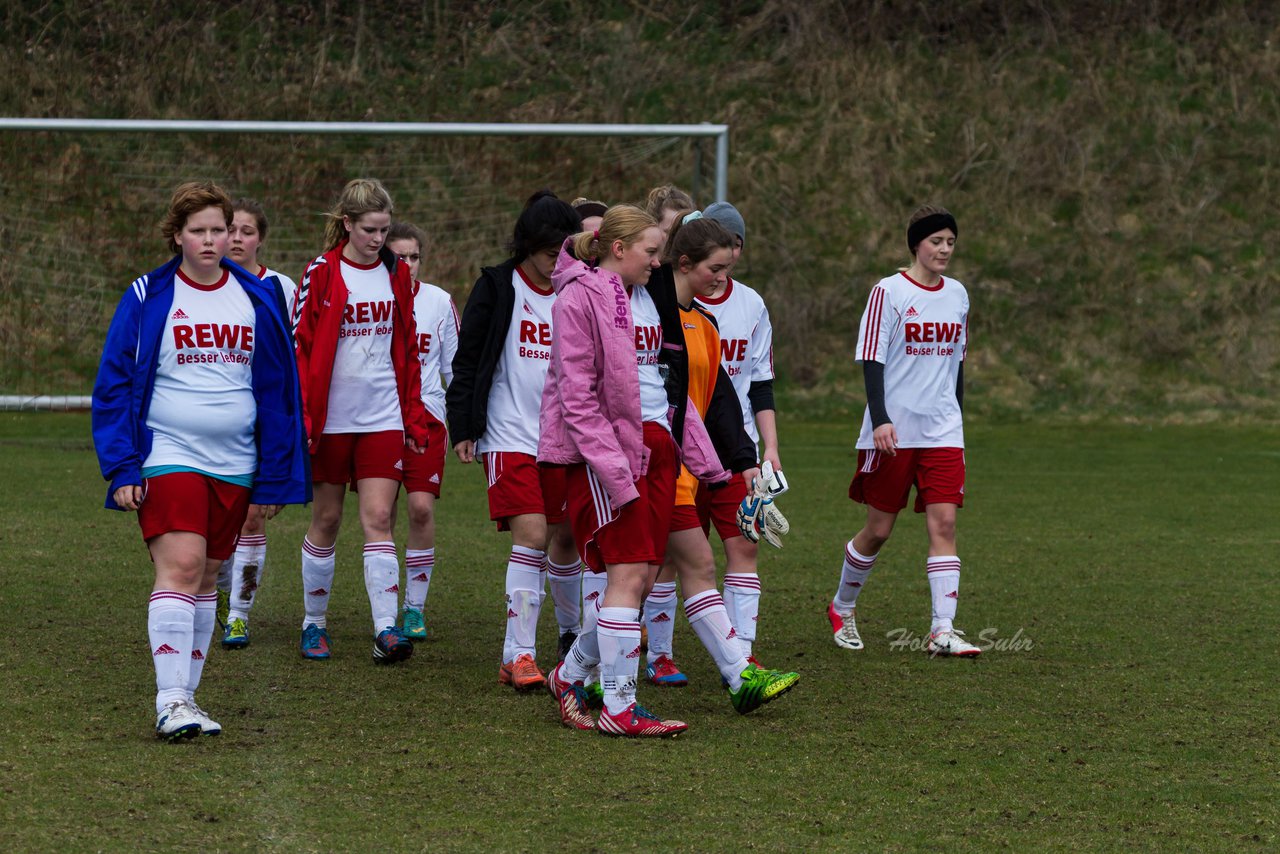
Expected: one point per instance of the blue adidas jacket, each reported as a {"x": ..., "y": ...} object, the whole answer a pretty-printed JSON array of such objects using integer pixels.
[{"x": 126, "y": 378}]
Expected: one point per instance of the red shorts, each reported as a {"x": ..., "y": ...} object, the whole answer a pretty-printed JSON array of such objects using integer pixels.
[
  {"x": 424, "y": 472},
  {"x": 636, "y": 533},
  {"x": 684, "y": 517},
  {"x": 885, "y": 482},
  {"x": 518, "y": 486},
  {"x": 720, "y": 507},
  {"x": 187, "y": 501},
  {"x": 347, "y": 457}
]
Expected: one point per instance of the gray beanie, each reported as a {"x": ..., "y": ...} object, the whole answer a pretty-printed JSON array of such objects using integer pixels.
[{"x": 728, "y": 216}]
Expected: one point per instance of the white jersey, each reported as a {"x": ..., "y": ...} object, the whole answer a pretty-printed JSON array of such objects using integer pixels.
[
  {"x": 363, "y": 397},
  {"x": 921, "y": 335},
  {"x": 288, "y": 288},
  {"x": 437, "y": 322},
  {"x": 202, "y": 406},
  {"x": 746, "y": 343},
  {"x": 654, "y": 405},
  {"x": 515, "y": 398}
]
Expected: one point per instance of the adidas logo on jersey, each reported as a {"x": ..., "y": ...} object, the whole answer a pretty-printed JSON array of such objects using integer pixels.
[
  {"x": 911, "y": 312},
  {"x": 165, "y": 649},
  {"x": 689, "y": 326},
  {"x": 662, "y": 618},
  {"x": 399, "y": 465},
  {"x": 527, "y": 310},
  {"x": 435, "y": 478},
  {"x": 180, "y": 315}
]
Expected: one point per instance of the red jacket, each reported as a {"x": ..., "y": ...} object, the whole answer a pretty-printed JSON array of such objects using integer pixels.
[{"x": 322, "y": 298}]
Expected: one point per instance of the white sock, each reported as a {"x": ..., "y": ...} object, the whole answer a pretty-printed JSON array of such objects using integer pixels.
[
  {"x": 224, "y": 575},
  {"x": 593, "y": 585},
  {"x": 742, "y": 601},
  {"x": 524, "y": 601},
  {"x": 618, "y": 630},
  {"x": 247, "y": 566},
  {"x": 418, "y": 566},
  {"x": 584, "y": 655},
  {"x": 709, "y": 620},
  {"x": 382, "y": 582},
  {"x": 660, "y": 618},
  {"x": 205, "y": 615},
  {"x": 170, "y": 626},
  {"x": 566, "y": 593},
  {"x": 853, "y": 574},
  {"x": 944, "y": 586},
  {"x": 317, "y": 582}
]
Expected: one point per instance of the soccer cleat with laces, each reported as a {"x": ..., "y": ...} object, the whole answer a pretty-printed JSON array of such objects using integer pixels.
[
  {"x": 951, "y": 642},
  {"x": 760, "y": 687},
  {"x": 236, "y": 634},
  {"x": 391, "y": 646},
  {"x": 662, "y": 671},
  {"x": 208, "y": 726},
  {"x": 522, "y": 674},
  {"x": 412, "y": 624},
  {"x": 572, "y": 700},
  {"x": 844, "y": 628},
  {"x": 637, "y": 722},
  {"x": 177, "y": 720},
  {"x": 314, "y": 643}
]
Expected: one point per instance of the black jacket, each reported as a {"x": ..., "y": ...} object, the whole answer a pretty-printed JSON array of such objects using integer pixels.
[
  {"x": 481, "y": 336},
  {"x": 733, "y": 446}
]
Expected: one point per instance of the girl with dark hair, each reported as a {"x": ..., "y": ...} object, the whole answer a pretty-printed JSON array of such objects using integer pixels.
[
  {"x": 196, "y": 413},
  {"x": 437, "y": 322},
  {"x": 358, "y": 361},
  {"x": 504, "y": 347},
  {"x": 912, "y": 344}
]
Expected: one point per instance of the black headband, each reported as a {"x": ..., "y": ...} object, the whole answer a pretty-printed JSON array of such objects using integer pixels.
[
  {"x": 587, "y": 209},
  {"x": 931, "y": 224}
]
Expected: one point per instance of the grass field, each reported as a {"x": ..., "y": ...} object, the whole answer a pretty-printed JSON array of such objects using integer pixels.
[{"x": 1132, "y": 565}]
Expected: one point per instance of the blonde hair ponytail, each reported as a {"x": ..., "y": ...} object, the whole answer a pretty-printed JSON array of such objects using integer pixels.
[{"x": 359, "y": 197}]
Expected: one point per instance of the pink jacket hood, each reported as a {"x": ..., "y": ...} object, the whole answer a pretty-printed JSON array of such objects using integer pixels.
[{"x": 591, "y": 401}]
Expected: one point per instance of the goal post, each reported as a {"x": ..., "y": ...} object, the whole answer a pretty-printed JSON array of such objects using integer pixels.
[{"x": 80, "y": 200}]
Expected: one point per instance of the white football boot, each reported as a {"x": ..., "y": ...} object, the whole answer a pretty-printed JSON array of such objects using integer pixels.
[{"x": 951, "y": 642}]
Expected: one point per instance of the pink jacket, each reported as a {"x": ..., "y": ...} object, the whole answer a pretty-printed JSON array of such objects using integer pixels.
[{"x": 591, "y": 400}]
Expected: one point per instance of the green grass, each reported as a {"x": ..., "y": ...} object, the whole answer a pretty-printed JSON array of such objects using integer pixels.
[{"x": 1136, "y": 561}]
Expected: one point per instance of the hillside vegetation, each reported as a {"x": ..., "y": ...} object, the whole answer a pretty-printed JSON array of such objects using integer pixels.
[{"x": 1112, "y": 166}]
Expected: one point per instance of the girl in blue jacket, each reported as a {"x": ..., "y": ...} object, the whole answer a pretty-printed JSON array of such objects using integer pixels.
[{"x": 196, "y": 413}]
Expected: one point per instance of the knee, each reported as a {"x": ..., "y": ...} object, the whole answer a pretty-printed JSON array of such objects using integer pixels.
[
  {"x": 377, "y": 520},
  {"x": 327, "y": 520},
  {"x": 420, "y": 515},
  {"x": 943, "y": 530}
]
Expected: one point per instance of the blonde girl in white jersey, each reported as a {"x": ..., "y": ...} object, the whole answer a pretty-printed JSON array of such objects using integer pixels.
[
  {"x": 912, "y": 343},
  {"x": 241, "y": 575}
]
